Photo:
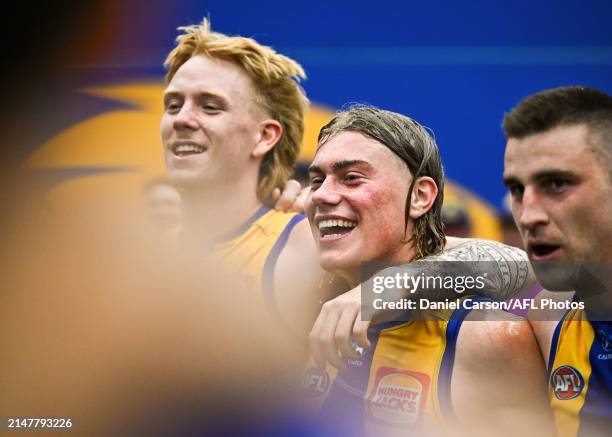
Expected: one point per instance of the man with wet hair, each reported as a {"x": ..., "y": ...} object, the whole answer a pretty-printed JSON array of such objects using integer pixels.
[
  {"x": 376, "y": 184},
  {"x": 232, "y": 126}
]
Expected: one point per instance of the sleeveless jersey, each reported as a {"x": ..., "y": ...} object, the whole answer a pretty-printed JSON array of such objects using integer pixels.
[
  {"x": 580, "y": 375},
  {"x": 402, "y": 381}
]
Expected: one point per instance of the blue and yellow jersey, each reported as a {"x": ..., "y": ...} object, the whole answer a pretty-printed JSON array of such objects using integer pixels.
[
  {"x": 580, "y": 375},
  {"x": 402, "y": 381},
  {"x": 251, "y": 251}
]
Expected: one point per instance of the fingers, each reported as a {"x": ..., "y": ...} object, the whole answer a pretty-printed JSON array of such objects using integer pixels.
[
  {"x": 287, "y": 198},
  {"x": 300, "y": 200},
  {"x": 313, "y": 339},
  {"x": 330, "y": 338},
  {"x": 322, "y": 338},
  {"x": 360, "y": 332},
  {"x": 276, "y": 194},
  {"x": 327, "y": 338},
  {"x": 338, "y": 323},
  {"x": 344, "y": 331}
]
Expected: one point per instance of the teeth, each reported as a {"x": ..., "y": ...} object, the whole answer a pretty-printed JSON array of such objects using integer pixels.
[
  {"x": 188, "y": 148},
  {"x": 336, "y": 223}
]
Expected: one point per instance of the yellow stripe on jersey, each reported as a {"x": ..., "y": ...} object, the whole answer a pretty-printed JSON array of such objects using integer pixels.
[{"x": 570, "y": 370}]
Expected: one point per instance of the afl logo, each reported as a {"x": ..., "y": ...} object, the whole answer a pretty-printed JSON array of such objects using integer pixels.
[
  {"x": 316, "y": 381},
  {"x": 566, "y": 382}
]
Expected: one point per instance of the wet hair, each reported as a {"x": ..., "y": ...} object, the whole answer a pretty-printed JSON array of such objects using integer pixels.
[{"x": 411, "y": 142}]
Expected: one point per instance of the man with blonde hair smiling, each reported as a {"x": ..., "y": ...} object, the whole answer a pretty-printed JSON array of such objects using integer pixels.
[{"x": 232, "y": 127}]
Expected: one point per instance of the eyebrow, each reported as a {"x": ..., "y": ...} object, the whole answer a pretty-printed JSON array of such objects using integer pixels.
[
  {"x": 544, "y": 175},
  {"x": 340, "y": 165},
  {"x": 510, "y": 180},
  {"x": 171, "y": 94}
]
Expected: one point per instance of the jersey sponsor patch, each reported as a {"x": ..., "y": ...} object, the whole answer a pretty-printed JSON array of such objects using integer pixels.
[
  {"x": 316, "y": 381},
  {"x": 398, "y": 397},
  {"x": 566, "y": 382}
]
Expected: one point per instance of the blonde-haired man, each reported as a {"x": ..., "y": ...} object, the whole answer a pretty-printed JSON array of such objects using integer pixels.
[{"x": 232, "y": 127}]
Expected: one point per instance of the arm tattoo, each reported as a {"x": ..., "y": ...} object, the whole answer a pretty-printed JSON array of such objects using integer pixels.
[{"x": 506, "y": 268}]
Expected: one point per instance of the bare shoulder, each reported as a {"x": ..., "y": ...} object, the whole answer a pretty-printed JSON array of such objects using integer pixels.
[
  {"x": 301, "y": 237},
  {"x": 499, "y": 375},
  {"x": 299, "y": 257},
  {"x": 296, "y": 279},
  {"x": 494, "y": 337}
]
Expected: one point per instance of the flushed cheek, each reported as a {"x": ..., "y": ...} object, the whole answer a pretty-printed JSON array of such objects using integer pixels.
[{"x": 382, "y": 212}]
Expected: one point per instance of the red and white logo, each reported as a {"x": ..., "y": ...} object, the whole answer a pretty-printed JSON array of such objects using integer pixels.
[
  {"x": 398, "y": 396},
  {"x": 566, "y": 382}
]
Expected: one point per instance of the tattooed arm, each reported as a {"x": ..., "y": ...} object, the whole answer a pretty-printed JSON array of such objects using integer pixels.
[{"x": 504, "y": 270}]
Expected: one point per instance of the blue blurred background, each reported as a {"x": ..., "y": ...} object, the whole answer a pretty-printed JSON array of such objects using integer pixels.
[{"x": 455, "y": 66}]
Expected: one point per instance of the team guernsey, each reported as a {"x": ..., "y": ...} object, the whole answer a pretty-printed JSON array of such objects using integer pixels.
[
  {"x": 252, "y": 250},
  {"x": 402, "y": 381},
  {"x": 580, "y": 375}
]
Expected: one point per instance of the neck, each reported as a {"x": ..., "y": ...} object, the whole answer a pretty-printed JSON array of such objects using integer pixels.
[
  {"x": 351, "y": 276},
  {"x": 594, "y": 287},
  {"x": 210, "y": 213}
]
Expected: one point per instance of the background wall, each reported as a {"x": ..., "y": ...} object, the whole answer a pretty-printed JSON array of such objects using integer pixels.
[{"x": 455, "y": 66}]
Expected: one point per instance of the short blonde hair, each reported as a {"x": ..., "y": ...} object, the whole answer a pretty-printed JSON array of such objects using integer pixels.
[{"x": 276, "y": 81}]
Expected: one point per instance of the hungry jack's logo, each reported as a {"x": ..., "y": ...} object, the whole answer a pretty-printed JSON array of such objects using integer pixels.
[
  {"x": 566, "y": 382},
  {"x": 398, "y": 397}
]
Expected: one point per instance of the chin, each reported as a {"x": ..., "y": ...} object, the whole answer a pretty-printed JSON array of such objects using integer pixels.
[
  {"x": 185, "y": 179},
  {"x": 333, "y": 263},
  {"x": 556, "y": 276}
]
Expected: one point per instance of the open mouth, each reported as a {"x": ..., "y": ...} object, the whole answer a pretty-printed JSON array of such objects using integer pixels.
[
  {"x": 542, "y": 250},
  {"x": 187, "y": 149},
  {"x": 331, "y": 229}
]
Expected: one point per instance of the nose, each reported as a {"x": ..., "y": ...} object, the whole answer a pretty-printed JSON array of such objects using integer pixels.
[
  {"x": 186, "y": 118},
  {"x": 530, "y": 210},
  {"x": 326, "y": 193}
]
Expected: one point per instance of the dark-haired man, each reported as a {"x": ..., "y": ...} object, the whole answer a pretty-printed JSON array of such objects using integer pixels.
[{"x": 558, "y": 168}]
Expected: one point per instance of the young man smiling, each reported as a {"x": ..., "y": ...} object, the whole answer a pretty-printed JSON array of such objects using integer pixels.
[
  {"x": 376, "y": 183},
  {"x": 232, "y": 126}
]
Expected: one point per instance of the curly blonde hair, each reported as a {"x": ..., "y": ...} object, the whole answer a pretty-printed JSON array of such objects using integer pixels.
[{"x": 276, "y": 81}]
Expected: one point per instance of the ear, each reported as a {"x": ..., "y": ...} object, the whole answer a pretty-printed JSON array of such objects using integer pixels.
[
  {"x": 424, "y": 195},
  {"x": 270, "y": 132}
]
